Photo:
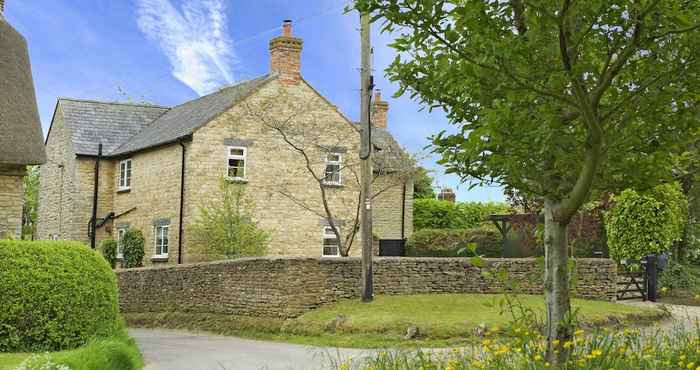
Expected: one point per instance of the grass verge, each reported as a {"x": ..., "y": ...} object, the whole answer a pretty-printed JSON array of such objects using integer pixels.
[
  {"x": 118, "y": 352},
  {"x": 443, "y": 320}
]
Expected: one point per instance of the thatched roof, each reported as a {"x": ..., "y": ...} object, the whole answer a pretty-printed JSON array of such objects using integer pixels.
[{"x": 21, "y": 139}]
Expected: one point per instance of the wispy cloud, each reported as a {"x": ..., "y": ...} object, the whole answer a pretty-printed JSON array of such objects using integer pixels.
[{"x": 194, "y": 38}]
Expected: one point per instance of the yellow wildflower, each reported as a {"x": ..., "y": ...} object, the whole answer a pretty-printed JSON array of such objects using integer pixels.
[{"x": 578, "y": 332}]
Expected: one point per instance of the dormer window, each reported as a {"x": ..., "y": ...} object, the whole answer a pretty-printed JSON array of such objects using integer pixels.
[
  {"x": 125, "y": 175},
  {"x": 334, "y": 162},
  {"x": 236, "y": 163}
]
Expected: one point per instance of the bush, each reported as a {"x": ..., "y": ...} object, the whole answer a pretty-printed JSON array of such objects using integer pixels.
[
  {"x": 441, "y": 214},
  {"x": 55, "y": 295},
  {"x": 447, "y": 243},
  {"x": 640, "y": 224},
  {"x": 132, "y": 244},
  {"x": 108, "y": 248}
]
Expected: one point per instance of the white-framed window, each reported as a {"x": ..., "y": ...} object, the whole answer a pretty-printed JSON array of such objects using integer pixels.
[
  {"x": 160, "y": 239},
  {"x": 334, "y": 162},
  {"x": 331, "y": 247},
  {"x": 236, "y": 162},
  {"x": 125, "y": 174},
  {"x": 120, "y": 241}
]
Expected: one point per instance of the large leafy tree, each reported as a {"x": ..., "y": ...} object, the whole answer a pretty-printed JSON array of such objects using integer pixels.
[{"x": 555, "y": 98}]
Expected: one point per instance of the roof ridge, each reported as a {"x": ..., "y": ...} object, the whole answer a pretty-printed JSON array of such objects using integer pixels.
[
  {"x": 221, "y": 89},
  {"x": 146, "y": 105}
]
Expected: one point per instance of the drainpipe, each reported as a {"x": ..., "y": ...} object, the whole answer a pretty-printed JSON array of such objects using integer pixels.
[
  {"x": 403, "y": 212},
  {"x": 94, "y": 197},
  {"x": 182, "y": 204}
]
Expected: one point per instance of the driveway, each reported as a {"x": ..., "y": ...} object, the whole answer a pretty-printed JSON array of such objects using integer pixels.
[{"x": 180, "y": 350}]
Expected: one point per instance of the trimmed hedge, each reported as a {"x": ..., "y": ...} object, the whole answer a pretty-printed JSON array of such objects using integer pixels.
[
  {"x": 54, "y": 295},
  {"x": 448, "y": 242},
  {"x": 442, "y": 214}
]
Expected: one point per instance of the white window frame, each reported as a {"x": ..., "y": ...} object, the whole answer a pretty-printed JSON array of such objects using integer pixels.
[
  {"x": 120, "y": 236},
  {"x": 243, "y": 157},
  {"x": 125, "y": 176},
  {"x": 339, "y": 163},
  {"x": 163, "y": 232},
  {"x": 327, "y": 234}
]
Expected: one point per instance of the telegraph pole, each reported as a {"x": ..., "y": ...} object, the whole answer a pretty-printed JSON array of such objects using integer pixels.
[{"x": 366, "y": 158}]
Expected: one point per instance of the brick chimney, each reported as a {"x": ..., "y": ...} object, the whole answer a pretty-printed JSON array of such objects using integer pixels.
[
  {"x": 379, "y": 110},
  {"x": 285, "y": 55},
  {"x": 447, "y": 194}
]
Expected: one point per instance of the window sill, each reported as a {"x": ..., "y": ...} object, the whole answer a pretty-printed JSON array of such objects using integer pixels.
[
  {"x": 125, "y": 190},
  {"x": 236, "y": 180},
  {"x": 332, "y": 185},
  {"x": 159, "y": 259}
]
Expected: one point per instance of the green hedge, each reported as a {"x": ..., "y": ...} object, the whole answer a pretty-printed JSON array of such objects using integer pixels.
[
  {"x": 447, "y": 242},
  {"x": 54, "y": 295},
  {"x": 108, "y": 247},
  {"x": 441, "y": 214},
  {"x": 133, "y": 252}
]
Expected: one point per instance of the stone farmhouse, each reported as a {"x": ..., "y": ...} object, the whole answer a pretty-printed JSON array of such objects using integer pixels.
[
  {"x": 158, "y": 165},
  {"x": 20, "y": 129}
]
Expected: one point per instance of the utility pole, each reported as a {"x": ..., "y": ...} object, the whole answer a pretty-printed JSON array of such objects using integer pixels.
[{"x": 366, "y": 158}]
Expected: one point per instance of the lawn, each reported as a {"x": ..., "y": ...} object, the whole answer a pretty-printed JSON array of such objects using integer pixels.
[
  {"x": 443, "y": 320},
  {"x": 118, "y": 352}
]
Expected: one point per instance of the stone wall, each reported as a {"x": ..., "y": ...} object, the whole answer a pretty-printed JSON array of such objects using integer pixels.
[
  {"x": 11, "y": 200},
  {"x": 289, "y": 286}
]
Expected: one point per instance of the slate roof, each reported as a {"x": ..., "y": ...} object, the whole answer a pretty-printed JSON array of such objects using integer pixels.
[
  {"x": 182, "y": 120},
  {"x": 91, "y": 122},
  {"x": 388, "y": 155},
  {"x": 20, "y": 130}
]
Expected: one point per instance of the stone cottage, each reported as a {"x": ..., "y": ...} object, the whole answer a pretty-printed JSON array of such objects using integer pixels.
[
  {"x": 274, "y": 135},
  {"x": 20, "y": 129}
]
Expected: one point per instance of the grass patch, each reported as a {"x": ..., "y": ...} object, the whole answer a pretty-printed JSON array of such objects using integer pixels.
[
  {"x": 443, "y": 320},
  {"x": 118, "y": 352}
]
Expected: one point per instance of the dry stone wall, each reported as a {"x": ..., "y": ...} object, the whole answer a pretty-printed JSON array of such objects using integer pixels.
[{"x": 289, "y": 286}]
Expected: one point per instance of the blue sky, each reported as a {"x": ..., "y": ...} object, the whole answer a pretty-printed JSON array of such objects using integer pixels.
[{"x": 170, "y": 51}]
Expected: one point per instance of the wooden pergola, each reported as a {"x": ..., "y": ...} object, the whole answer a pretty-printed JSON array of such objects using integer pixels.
[{"x": 504, "y": 224}]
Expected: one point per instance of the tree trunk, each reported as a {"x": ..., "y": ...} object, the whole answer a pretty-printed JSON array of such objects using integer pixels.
[{"x": 556, "y": 282}]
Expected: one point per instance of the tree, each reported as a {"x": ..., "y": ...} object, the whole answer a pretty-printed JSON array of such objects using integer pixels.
[
  {"x": 557, "y": 99},
  {"x": 31, "y": 202},
  {"x": 224, "y": 226},
  {"x": 423, "y": 184},
  {"x": 300, "y": 123}
]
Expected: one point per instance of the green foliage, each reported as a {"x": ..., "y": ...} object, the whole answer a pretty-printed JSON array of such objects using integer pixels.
[
  {"x": 441, "y": 214},
  {"x": 423, "y": 184},
  {"x": 678, "y": 276},
  {"x": 55, "y": 295},
  {"x": 224, "y": 228},
  {"x": 640, "y": 224},
  {"x": 31, "y": 202},
  {"x": 108, "y": 248},
  {"x": 133, "y": 252},
  {"x": 448, "y": 243},
  {"x": 117, "y": 352}
]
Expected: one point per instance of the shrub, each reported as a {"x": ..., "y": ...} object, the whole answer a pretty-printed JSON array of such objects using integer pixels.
[
  {"x": 441, "y": 214},
  {"x": 225, "y": 229},
  {"x": 132, "y": 244},
  {"x": 55, "y": 295},
  {"x": 108, "y": 248},
  {"x": 447, "y": 243},
  {"x": 640, "y": 224}
]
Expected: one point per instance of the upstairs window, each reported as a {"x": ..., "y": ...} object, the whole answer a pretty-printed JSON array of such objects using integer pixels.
[
  {"x": 236, "y": 163},
  {"x": 161, "y": 240},
  {"x": 125, "y": 174},
  {"x": 333, "y": 165},
  {"x": 331, "y": 247}
]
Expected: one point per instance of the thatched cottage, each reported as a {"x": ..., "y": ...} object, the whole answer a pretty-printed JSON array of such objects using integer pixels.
[
  {"x": 21, "y": 140},
  {"x": 158, "y": 166}
]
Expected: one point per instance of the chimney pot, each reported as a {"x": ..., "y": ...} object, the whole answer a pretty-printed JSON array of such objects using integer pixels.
[
  {"x": 447, "y": 194},
  {"x": 285, "y": 55},
  {"x": 379, "y": 110}
]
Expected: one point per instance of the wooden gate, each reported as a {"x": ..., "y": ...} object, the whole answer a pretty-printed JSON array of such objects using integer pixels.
[{"x": 632, "y": 280}]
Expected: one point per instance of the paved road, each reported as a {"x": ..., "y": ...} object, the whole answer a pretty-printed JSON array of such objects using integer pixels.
[{"x": 180, "y": 350}]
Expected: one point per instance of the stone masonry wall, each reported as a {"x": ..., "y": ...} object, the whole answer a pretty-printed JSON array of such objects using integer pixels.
[
  {"x": 11, "y": 200},
  {"x": 289, "y": 286}
]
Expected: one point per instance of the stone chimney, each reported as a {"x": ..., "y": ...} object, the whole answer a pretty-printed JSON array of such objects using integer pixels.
[
  {"x": 285, "y": 55},
  {"x": 447, "y": 194},
  {"x": 379, "y": 110}
]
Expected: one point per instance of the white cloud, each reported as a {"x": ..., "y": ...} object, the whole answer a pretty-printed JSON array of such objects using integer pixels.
[{"x": 194, "y": 38}]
